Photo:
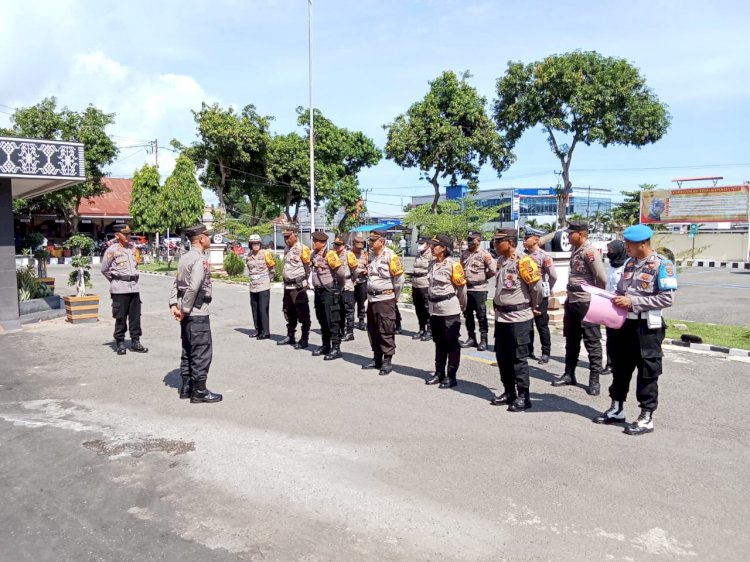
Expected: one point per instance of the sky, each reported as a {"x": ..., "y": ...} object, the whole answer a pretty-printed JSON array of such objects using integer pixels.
[{"x": 151, "y": 63}]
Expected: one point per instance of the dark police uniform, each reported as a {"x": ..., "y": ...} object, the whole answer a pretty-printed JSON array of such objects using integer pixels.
[
  {"x": 649, "y": 283},
  {"x": 517, "y": 293},
  {"x": 260, "y": 269},
  {"x": 296, "y": 305},
  {"x": 447, "y": 298},
  {"x": 350, "y": 265},
  {"x": 360, "y": 279},
  {"x": 191, "y": 294},
  {"x": 120, "y": 268},
  {"x": 549, "y": 277},
  {"x": 385, "y": 279},
  {"x": 479, "y": 267},
  {"x": 419, "y": 287},
  {"x": 586, "y": 266},
  {"x": 328, "y": 278}
]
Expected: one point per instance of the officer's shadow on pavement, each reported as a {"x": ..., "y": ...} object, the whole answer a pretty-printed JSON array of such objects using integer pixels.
[
  {"x": 543, "y": 402},
  {"x": 464, "y": 386},
  {"x": 173, "y": 379},
  {"x": 111, "y": 344}
]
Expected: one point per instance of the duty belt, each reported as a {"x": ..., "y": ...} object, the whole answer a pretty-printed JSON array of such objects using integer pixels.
[
  {"x": 574, "y": 287},
  {"x": 119, "y": 277},
  {"x": 321, "y": 288},
  {"x": 415, "y": 274},
  {"x": 181, "y": 294},
  {"x": 376, "y": 292},
  {"x": 441, "y": 298},
  {"x": 474, "y": 283},
  {"x": 513, "y": 307}
]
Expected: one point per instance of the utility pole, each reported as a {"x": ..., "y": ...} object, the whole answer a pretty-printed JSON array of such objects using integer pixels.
[
  {"x": 154, "y": 145},
  {"x": 312, "y": 144}
]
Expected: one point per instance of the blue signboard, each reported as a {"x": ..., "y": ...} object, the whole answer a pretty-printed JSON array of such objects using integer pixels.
[{"x": 537, "y": 192}]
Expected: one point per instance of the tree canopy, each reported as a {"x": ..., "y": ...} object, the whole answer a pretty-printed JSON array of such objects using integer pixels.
[
  {"x": 45, "y": 121},
  {"x": 448, "y": 134},
  {"x": 579, "y": 97},
  {"x": 456, "y": 218}
]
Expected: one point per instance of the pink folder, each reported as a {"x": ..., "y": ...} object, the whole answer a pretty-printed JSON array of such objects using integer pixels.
[{"x": 602, "y": 310}]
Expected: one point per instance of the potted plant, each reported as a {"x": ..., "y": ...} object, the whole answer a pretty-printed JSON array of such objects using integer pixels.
[
  {"x": 82, "y": 307},
  {"x": 42, "y": 259}
]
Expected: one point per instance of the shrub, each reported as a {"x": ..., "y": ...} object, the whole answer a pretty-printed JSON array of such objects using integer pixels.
[
  {"x": 28, "y": 285},
  {"x": 233, "y": 264}
]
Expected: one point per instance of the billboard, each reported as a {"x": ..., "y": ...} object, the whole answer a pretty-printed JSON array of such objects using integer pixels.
[{"x": 700, "y": 204}]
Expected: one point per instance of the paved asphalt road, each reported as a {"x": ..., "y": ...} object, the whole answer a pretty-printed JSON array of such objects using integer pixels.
[{"x": 313, "y": 460}]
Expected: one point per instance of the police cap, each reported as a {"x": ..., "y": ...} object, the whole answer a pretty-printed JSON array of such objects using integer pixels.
[
  {"x": 254, "y": 238},
  {"x": 195, "y": 230},
  {"x": 442, "y": 240},
  {"x": 423, "y": 239},
  {"x": 577, "y": 226},
  {"x": 339, "y": 241},
  {"x": 637, "y": 233},
  {"x": 320, "y": 236},
  {"x": 377, "y": 235},
  {"x": 505, "y": 234},
  {"x": 474, "y": 234},
  {"x": 124, "y": 228}
]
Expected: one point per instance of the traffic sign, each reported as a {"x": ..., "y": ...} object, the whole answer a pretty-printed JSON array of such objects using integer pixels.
[{"x": 693, "y": 230}]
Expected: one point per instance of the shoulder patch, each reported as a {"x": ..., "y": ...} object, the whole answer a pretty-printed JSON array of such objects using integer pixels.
[
  {"x": 528, "y": 270},
  {"x": 547, "y": 262},
  {"x": 332, "y": 259},
  {"x": 667, "y": 276},
  {"x": 395, "y": 265},
  {"x": 591, "y": 254},
  {"x": 351, "y": 260},
  {"x": 306, "y": 255},
  {"x": 270, "y": 262},
  {"x": 457, "y": 275},
  {"x": 109, "y": 255}
]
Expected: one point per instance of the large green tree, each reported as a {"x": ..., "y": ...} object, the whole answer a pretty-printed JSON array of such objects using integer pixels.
[
  {"x": 288, "y": 169},
  {"x": 448, "y": 134},
  {"x": 579, "y": 97},
  {"x": 144, "y": 200},
  {"x": 180, "y": 202},
  {"x": 45, "y": 121}
]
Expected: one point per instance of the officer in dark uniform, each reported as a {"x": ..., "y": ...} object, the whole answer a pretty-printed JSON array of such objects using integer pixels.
[
  {"x": 645, "y": 289},
  {"x": 586, "y": 266},
  {"x": 120, "y": 268},
  {"x": 191, "y": 295},
  {"x": 328, "y": 277},
  {"x": 296, "y": 305},
  {"x": 350, "y": 265}
]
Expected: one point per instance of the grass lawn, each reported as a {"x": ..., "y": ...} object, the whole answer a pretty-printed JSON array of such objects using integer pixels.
[
  {"x": 714, "y": 334},
  {"x": 157, "y": 267}
]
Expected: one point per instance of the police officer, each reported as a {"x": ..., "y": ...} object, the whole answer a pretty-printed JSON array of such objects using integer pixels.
[
  {"x": 328, "y": 277},
  {"x": 360, "y": 278},
  {"x": 119, "y": 267},
  {"x": 585, "y": 267},
  {"x": 518, "y": 293},
  {"x": 385, "y": 279},
  {"x": 446, "y": 295},
  {"x": 350, "y": 264},
  {"x": 479, "y": 267},
  {"x": 419, "y": 287},
  {"x": 296, "y": 305},
  {"x": 260, "y": 269},
  {"x": 645, "y": 289},
  {"x": 549, "y": 277},
  {"x": 191, "y": 295}
]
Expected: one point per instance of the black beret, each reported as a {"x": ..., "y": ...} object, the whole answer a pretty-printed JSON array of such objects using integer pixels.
[
  {"x": 424, "y": 239},
  {"x": 375, "y": 234},
  {"x": 320, "y": 236},
  {"x": 578, "y": 226},
  {"x": 505, "y": 233},
  {"x": 193, "y": 231},
  {"x": 474, "y": 234}
]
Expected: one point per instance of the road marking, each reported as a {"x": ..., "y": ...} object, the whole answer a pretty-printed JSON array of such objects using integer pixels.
[{"x": 722, "y": 285}]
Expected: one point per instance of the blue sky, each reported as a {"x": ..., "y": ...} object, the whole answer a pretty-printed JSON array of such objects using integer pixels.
[{"x": 151, "y": 62}]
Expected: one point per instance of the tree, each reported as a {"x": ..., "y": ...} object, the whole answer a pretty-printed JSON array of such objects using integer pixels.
[
  {"x": 447, "y": 135},
  {"x": 144, "y": 201},
  {"x": 578, "y": 97},
  {"x": 180, "y": 203},
  {"x": 288, "y": 168},
  {"x": 456, "y": 218},
  {"x": 628, "y": 212},
  {"x": 45, "y": 121}
]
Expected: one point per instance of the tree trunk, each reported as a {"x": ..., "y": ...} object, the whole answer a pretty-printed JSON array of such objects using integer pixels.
[
  {"x": 562, "y": 197},
  {"x": 222, "y": 186},
  {"x": 287, "y": 205},
  {"x": 436, "y": 187}
]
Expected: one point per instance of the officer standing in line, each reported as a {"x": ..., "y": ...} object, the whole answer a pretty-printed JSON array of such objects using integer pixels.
[
  {"x": 385, "y": 279},
  {"x": 549, "y": 277},
  {"x": 296, "y": 305},
  {"x": 120, "y": 268},
  {"x": 360, "y": 278},
  {"x": 645, "y": 289},
  {"x": 479, "y": 267},
  {"x": 350, "y": 263},
  {"x": 585, "y": 267},
  {"x": 260, "y": 268},
  {"x": 328, "y": 277},
  {"x": 447, "y": 299},
  {"x": 419, "y": 287},
  {"x": 191, "y": 295},
  {"x": 518, "y": 293}
]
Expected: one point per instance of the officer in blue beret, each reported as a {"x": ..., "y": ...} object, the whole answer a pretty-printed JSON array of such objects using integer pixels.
[{"x": 646, "y": 288}]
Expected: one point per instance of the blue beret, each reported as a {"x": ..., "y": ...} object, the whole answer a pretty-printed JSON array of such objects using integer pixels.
[{"x": 637, "y": 233}]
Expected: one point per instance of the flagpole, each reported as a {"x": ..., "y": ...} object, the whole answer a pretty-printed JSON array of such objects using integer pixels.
[{"x": 312, "y": 147}]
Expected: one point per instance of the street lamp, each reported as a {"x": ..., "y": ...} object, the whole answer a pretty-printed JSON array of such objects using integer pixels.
[{"x": 312, "y": 145}]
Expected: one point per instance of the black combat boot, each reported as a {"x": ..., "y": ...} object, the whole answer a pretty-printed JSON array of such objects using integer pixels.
[
  {"x": 288, "y": 340},
  {"x": 374, "y": 363},
  {"x": 482, "y": 342},
  {"x": 427, "y": 336},
  {"x": 507, "y": 397},
  {"x": 521, "y": 403},
  {"x": 644, "y": 424},
  {"x": 386, "y": 367},
  {"x": 302, "y": 343},
  {"x": 418, "y": 335},
  {"x": 349, "y": 335},
  {"x": 450, "y": 380},
  {"x": 324, "y": 349},
  {"x": 544, "y": 359},
  {"x": 186, "y": 388},
  {"x": 470, "y": 342},
  {"x": 615, "y": 414},
  {"x": 361, "y": 324},
  {"x": 437, "y": 378},
  {"x": 135, "y": 345},
  {"x": 335, "y": 353},
  {"x": 121, "y": 348},
  {"x": 565, "y": 380},
  {"x": 593, "y": 388},
  {"x": 397, "y": 330},
  {"x": 202, "y": 394}
]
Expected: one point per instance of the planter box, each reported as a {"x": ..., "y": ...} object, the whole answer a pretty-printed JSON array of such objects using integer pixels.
[
  {"x": 79, "y": 310},
  {"x": 40, "y": 305},
  {"x": 49, "y": 281}
]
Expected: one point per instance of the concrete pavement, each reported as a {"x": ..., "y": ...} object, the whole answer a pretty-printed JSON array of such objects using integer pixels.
[{"x": 314, "y": 460}]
